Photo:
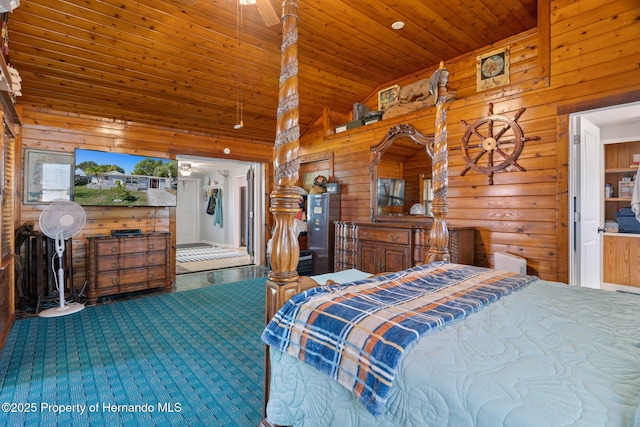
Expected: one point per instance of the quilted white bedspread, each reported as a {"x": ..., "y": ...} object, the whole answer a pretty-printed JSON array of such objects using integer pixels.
[{"x": 547, "y": 355}]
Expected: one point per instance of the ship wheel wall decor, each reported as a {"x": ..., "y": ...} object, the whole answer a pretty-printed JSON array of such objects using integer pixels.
[{"x": 493, "y": 143}]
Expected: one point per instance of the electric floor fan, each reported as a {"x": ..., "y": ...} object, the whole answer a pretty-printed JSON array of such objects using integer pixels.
[{"x": 59, "y": 221}]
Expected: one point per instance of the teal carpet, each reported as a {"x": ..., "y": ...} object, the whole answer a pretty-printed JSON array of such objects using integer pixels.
[{"x": 190, "y": 358}]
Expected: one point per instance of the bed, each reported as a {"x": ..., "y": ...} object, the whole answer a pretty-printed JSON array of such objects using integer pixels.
[
  {"x": 459, "y": 345},
  {"x": 544, "y": 355}
]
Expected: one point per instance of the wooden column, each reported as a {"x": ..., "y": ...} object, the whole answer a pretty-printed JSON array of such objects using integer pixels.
[
  {"x": 283, "y": 281},
  {"x": 439, "y": 235},
  {"x": 285, "y": 251}
]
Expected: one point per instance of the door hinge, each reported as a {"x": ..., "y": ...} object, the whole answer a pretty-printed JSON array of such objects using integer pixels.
[
  {"x": 576, "y": 217},
  {"x": 576, "y": 139}
]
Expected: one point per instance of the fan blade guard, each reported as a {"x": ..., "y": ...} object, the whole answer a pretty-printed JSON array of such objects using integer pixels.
[{"x": 62, "y": 219}]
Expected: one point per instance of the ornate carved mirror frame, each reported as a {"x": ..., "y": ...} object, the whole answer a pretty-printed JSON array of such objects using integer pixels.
[{"x": 393, "y": 134}]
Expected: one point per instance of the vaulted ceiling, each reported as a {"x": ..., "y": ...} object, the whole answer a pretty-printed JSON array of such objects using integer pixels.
[{"x": 188, "y": 64}]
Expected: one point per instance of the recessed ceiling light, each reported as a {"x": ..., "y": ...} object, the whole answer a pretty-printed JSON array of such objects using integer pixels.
[{"x": 397, "y": 25}]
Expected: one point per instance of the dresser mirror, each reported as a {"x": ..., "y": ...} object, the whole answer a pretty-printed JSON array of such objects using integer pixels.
[{"x": 400, "y": 169}]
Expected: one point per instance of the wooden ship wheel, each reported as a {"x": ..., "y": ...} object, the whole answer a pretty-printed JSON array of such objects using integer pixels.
[{"x": 493, "y": 143}]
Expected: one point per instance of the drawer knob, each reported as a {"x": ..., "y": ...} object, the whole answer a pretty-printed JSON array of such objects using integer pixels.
[
  {"x": 114, "y": 248},
  {"x": 115, "y": 281},
  {"x": 151, "y": 275},
  {"x": 394, "y": 238},
  {"x": 114, "y": 264},
  {"x": 152, "y": 260},
  {"x": 152, "y": 245},
  {"x": 367, "y": 234}
]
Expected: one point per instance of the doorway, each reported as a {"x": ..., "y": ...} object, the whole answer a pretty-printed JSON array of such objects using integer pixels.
[
  {"x": 199, "y": 222},
  {"x": 591, "y": 131}
]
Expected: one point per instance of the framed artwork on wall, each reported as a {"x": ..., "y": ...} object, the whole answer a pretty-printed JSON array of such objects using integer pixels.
[
  {"x": 48, "y": 176},
  {"x": 492, "y": 69},
  {"x": 388, "y": 96},
  {"x": 307, "y": 179},
  {"x": 312, "y": 165}
]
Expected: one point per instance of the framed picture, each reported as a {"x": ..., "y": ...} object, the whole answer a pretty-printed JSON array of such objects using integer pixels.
[
  {"x": 388, "y": 97},
  {"x": 307, "y": 179},
  {"x": 492, "y": 69},
  {"x": 48, "y": 176},
  {"x": 312, "y": 165}
]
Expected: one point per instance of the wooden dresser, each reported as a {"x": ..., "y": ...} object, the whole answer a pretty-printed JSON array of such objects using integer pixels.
[
  {"x": 379, "y": 247},
  {"x": 119, "y": 264}
]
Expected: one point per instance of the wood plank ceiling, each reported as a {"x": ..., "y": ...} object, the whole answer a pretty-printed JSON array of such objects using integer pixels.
[{"x": 186, "y": 66}]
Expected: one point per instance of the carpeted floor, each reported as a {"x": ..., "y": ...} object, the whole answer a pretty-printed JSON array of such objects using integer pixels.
[{"x": 188, "y": 358}]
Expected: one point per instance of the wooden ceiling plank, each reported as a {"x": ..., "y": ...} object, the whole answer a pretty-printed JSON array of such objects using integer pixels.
[
  {"x": 385, "y": 46},
  {"x": 174, "y": 105},
  {"x": 132, "y": 79},
  {"x": 129, "y": 58},
  {"x": 112, "y": 31},
  {"x": 132, "y": 49}
]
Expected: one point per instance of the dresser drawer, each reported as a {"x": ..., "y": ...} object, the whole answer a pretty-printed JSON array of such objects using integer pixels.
[
  {"x": 124, "y": 261},
  {"x": 131, "y": 245},
  {"x": 385, "y": 235},
  {"x": 126, "y": 277}
]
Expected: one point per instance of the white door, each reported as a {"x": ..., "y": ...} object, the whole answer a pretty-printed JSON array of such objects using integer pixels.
[
  {"x": 589, "y": 242},
  {"x": 187, "y": 212}
]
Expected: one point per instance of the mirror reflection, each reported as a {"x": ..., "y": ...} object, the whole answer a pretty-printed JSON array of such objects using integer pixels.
[{"x": 390, "y": 196}]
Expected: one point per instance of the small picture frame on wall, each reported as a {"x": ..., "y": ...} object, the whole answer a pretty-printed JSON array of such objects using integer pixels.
[
  {"x": 492, "y": 69},
  {"x": 388, "y": 96},
  {"x": 307, "y": 179},
  {"x": 48, "y": 176}
]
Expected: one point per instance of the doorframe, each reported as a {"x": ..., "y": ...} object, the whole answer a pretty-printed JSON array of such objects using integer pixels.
[{"x": 608, "y": 119}]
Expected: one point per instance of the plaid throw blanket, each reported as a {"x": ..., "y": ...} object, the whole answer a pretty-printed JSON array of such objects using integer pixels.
[{"x": 357, "y": 333}]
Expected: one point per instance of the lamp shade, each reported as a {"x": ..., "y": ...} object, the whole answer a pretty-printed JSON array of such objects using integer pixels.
[{"x": 185, "y": 169}]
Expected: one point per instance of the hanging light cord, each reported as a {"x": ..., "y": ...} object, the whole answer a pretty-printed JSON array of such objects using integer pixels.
[{"x": 239, "y": 89}]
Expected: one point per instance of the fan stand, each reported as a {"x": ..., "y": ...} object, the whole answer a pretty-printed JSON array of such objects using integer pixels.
[{"x": 63, "y": 309}]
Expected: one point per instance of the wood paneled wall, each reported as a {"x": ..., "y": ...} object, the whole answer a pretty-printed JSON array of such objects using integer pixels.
[
  {"x": 592, "y": 50},
  {"x": 63, "y": 132},
  {"x": 593, "y": 62}
]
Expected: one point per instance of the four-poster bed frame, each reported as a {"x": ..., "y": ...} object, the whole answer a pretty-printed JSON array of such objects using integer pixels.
[{"x": 283, "y": 281}]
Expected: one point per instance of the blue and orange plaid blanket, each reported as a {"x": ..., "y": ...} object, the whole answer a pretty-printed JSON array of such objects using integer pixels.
[{"x": 357, "y": 333}]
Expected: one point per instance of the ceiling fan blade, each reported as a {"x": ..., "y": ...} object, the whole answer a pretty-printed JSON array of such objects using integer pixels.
[{"x": 266, "y": 10}]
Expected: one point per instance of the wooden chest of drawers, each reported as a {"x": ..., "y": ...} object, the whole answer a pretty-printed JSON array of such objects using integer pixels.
[
  {"x": 119, "y": 264},
  {"x": 381, "y": 247}
]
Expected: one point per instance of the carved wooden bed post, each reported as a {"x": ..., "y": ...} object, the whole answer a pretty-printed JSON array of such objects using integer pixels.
[
  {"x": 283, "y": 281},
  {"x": 439, "y": 235}
]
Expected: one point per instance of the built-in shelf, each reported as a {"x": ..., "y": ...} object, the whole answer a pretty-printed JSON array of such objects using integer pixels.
[
  {"x": 621, "y": 170},
  {"x": 629, "y": 235},
  {"x": 617, "y": 199}
]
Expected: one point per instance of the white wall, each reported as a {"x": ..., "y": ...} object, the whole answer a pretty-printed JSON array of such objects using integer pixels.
[{"x": 228, "y": 234}]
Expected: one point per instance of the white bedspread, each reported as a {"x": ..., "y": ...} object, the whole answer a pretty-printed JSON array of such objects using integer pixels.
[{"x": 547, "y": 355}]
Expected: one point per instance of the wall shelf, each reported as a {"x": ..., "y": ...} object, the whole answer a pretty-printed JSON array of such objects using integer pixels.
[{"x": 622, "y": 170}]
